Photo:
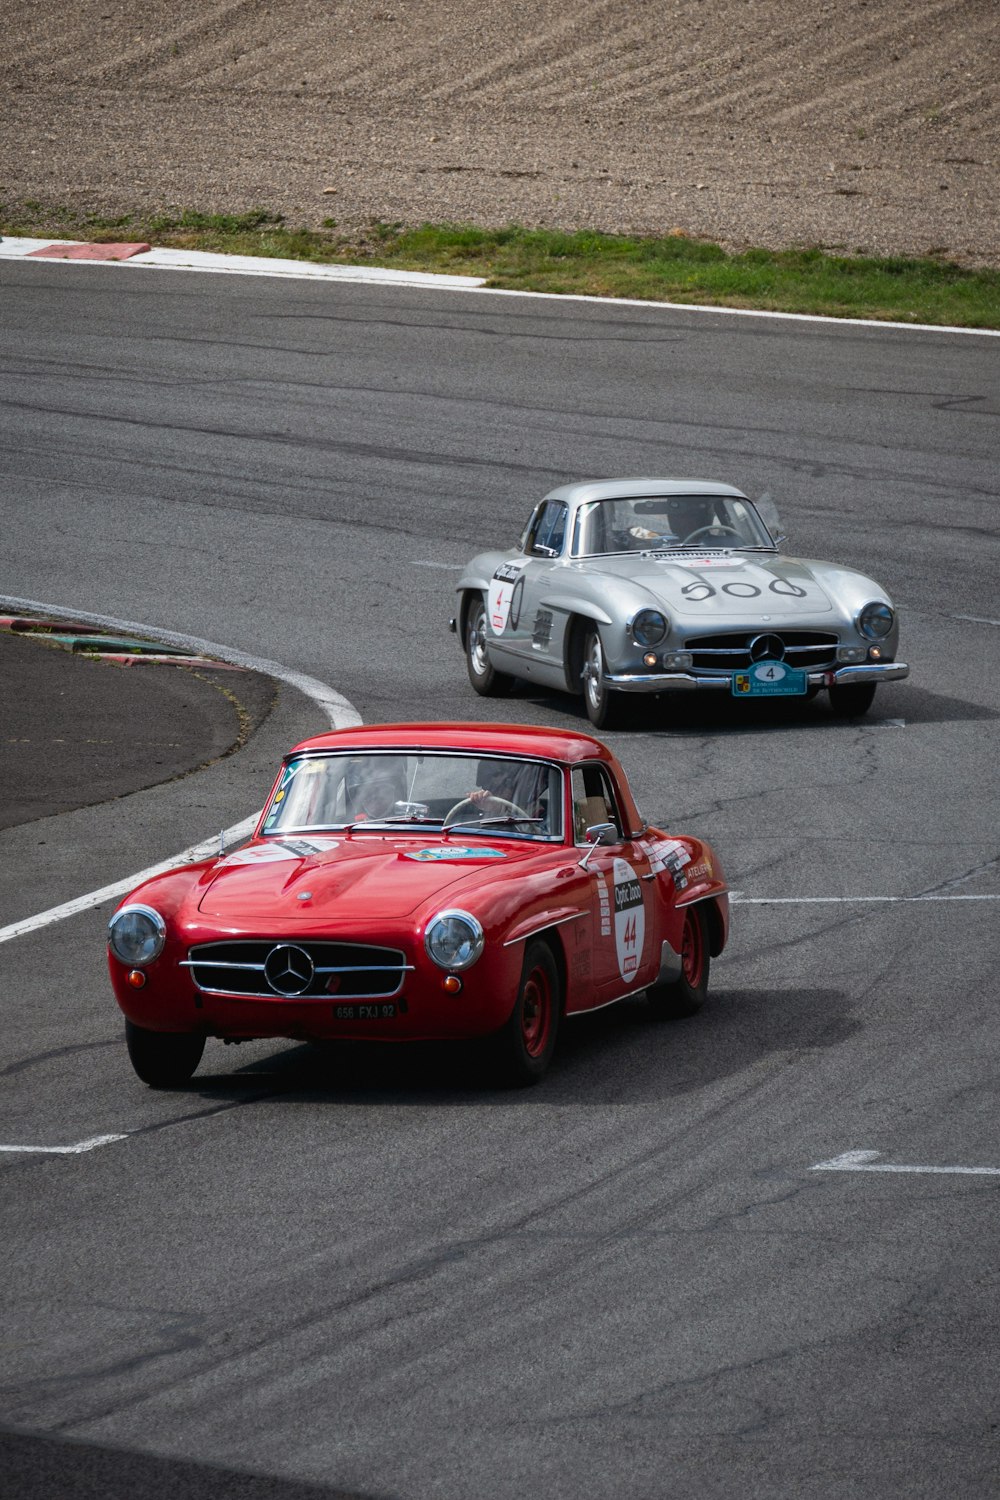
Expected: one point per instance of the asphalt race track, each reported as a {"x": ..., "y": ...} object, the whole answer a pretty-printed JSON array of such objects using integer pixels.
[{"x": 661, "y": 1273}]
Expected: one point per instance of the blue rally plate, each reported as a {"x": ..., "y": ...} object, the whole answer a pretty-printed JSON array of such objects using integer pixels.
[{"x": 769, "y": 679}]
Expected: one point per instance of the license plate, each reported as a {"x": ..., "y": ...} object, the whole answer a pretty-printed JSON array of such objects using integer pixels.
[
  {"x": 769, "y": 679},
  {"x": 376, "y": 1010}
]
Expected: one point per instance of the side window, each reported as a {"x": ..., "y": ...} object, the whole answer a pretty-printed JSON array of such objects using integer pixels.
[
  {"x": 593, "y": 801},
  {"x": 546, "y": 537},
  {"x": 527, "y": 535}
]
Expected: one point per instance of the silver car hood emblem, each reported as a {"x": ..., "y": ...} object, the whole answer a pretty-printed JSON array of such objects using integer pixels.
[{"x": 289, "y": 970}]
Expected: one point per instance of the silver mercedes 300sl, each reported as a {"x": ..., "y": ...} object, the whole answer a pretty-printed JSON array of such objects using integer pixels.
[{"x": 624, "y": 586}]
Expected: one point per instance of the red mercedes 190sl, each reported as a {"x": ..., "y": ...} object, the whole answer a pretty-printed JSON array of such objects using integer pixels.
[{"x": 422, "y": 882}]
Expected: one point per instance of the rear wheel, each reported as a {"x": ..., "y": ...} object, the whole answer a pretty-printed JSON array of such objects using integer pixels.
[
  {"x": 852, "y": 700},
  {"x": 486, "y": 680},
  {"x": 606, "y": 709},
  {"x": 163, "y": 1059},
  {"x": 525, "y": 1046},
  {"x": 685, "y": 995}
]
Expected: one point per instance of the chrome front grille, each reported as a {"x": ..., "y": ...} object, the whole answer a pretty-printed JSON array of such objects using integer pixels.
[
  {"x": 730, "y": 650},
  {"x": 292, "y": 969}
]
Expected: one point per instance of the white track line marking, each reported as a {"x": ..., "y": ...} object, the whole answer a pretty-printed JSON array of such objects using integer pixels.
[
  {"x": 865, "y": 1161},
  {"x": 77, "y": 1150},
  {"x": 736, "y": 899},
  {"x": 121, "y": 887},
  {"x": 339, "y": 711},
  {"x": 976, "y": 619},
  {"x": 249, "y": 265}
]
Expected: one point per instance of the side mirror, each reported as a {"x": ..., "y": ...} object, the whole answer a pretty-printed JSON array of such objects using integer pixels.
[{"x": 597, "y": 834}]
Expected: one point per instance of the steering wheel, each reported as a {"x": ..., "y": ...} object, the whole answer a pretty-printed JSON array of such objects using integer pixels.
[
  {"x": 468, "y": 811},
  {"x": 648, "y": 538},
  {"x": 718, "y": 527}
]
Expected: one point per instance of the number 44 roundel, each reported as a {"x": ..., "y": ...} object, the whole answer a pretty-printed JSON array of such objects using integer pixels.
[{"x": 630, "y": 919}]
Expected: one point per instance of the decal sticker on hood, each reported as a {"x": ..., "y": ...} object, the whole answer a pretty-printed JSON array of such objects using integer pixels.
[
  {"x": 259, "y": 854},
  {"x": 457, "y": 851}
]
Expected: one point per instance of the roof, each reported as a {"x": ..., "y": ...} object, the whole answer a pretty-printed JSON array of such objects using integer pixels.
[
  {"x": 564, "y": 745},
  {"x": 621, "y": 489}
]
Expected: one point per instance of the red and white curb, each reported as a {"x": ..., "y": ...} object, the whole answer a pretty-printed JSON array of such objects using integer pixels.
[
  {"x": 339, "y": 711},
  {"x": 138, "y": 254}
]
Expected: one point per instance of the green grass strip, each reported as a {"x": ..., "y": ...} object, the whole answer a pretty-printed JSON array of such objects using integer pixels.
[{"x": 673, "y": 268}]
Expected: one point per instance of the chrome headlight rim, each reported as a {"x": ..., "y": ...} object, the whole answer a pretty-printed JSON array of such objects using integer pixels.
[
  {"x": 137, "y": 958},
  {"x": 649, "y": 627},
  {"x": 875, "y": 620},
  {"x": 475, "y": 939}
]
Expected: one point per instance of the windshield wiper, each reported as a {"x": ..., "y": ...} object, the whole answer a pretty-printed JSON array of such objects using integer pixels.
[
  {"x": 506, "y": 821},
  {"x": 392, "y": 818}
]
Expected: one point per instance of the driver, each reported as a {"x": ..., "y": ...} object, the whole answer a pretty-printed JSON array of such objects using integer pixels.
[
  {"x": 495, "y": 788},
  {"x": 688, "y": 515},
  {"x": 373, "y": 787}
]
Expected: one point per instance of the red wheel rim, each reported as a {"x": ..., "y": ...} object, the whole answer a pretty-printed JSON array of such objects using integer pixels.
[
  {"x": 536, "y": 1012},
  {"x": 693, "y": 950}
]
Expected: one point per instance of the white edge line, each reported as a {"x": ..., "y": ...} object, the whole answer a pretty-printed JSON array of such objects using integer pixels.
[
  {"x": 867, "y": 1161},
  {"x": 262, "y": 266},
  {"x": 737, "y": 898},
  {"x": 341, "y": 714},
  {"x": 76, "y": 1150}
]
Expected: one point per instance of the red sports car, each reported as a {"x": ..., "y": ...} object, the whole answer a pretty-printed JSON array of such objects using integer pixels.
[{"x": 416, "y": 882}]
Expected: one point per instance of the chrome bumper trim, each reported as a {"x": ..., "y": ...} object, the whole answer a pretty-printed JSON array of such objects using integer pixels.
[{"x": 686, "y": 682}]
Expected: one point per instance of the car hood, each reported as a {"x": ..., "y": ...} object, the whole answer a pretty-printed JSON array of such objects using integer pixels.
[
  {"x": 720, "y": 585},
  {"x": 309, "y": 878}
]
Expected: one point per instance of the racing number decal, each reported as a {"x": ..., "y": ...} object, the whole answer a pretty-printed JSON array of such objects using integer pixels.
[
  {"x": 502, "y": 606},
  {"x": 697, "y": 592},
  {"x": 630, "y": 919}
]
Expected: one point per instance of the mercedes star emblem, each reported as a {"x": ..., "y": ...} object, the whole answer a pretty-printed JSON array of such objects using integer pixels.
[{"x": 289, "y": 970}]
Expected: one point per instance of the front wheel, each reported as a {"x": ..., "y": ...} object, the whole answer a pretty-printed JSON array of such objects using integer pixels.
[
  {"x": 487, "y": 681},
  {"x": 685, "y": 995},
  {"x": 852, "y": 700},
  {"x": 524, "y": 1047},
  {"x": 605, "y": 707},
  {"x": 163, "y": 1059}
]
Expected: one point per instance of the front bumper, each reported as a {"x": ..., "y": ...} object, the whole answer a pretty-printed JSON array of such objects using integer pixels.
[{"x": 685, "y": 682}]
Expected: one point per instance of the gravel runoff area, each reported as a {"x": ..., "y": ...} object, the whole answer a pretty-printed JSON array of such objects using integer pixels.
[{"x": 868, "y": 126}]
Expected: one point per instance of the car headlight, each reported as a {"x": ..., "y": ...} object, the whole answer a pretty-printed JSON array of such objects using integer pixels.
[
  {"x": 875, "y": 621},
  {"x": 454, "y": 940},
  {"x": 649, "y": 627},
  {"x": 136, "y": 934}
]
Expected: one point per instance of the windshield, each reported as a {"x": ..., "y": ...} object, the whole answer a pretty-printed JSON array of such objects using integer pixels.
[
  {"x": 667, "y": 523},
  {"x": 365, "y": 789}
]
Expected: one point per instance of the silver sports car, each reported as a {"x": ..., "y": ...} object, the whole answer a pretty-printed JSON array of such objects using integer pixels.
[{"x": 625, "y": 586}]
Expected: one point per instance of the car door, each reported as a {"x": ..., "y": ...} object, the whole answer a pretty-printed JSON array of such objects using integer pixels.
[
  {"x": 518, "y": 619},
  {"x": 626, "y": 919}
]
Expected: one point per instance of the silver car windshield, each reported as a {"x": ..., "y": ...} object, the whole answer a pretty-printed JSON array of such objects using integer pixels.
[
  {"x": 667, "y": 522},
  {"x": 368, "y": 790}
]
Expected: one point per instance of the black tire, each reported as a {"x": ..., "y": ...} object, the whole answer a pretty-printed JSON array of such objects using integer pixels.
[
  {"x": 487, "y": 681},
  {"x": 686, "y": 995},
  {"x": 853, "y": 700},
  {"x": 523, "y": 1048},
  {"x": 606, "y": 709},
  {"x": 163, "y": 1059}
]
